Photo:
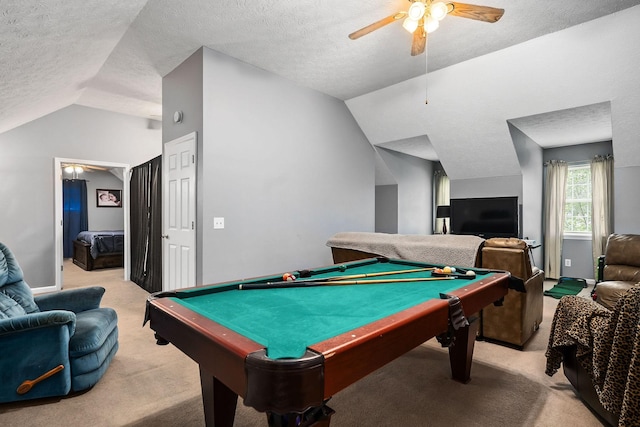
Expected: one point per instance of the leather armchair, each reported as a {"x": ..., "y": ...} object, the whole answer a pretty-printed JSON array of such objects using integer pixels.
[
  {"x": 621, "y": 268},
  {"x": 64, "y": 339},
  {"x": 618, "y": 273},
  {"x": 520, "y": 315},
  {"x": 580, "y": 379}
]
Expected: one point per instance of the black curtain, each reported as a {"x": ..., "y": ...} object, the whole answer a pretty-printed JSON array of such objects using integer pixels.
[
  {"x": 74, "y": 212},
  {"x": 146, "y": 225}
]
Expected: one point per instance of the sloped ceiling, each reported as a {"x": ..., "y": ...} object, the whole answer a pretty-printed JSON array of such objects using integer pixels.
[
  {"x": 113, "y": 55},
  {"x": 581, "y": 80},
  {"x": 580, "y": 125}
]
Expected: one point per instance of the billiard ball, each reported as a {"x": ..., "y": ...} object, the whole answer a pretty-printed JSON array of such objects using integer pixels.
[
  {"x": 470, "y": 273},
  {"x": 288, "y": 277},
  {"x": 342, "y": 268}
]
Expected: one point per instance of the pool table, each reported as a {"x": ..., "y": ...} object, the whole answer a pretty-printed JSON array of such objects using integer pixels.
[{"x": 286, "y": 348}]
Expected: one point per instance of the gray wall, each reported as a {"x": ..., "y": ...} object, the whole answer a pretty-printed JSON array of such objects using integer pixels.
[
  {"x": 486, "y": 187},
  {"x": 530, "y": 157},
  {"x": 182, "y": 91},
  {"x": 103, "y": 218},
  {"x": 26, "y": 169},
  {"x": 627, "y": 200},
  {"x": 387, "y": 209},
  {"x": 581, "y": 256},
  {"x": 287, "y": 167},
  {"x": 414, "y": 177}
]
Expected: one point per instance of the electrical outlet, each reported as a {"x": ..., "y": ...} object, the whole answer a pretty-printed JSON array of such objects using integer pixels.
[
  {"x": 218, "y": 223},
  {"x": 567, "y": 262}
]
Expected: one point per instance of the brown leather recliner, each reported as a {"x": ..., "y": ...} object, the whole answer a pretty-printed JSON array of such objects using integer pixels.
[
  {"x": 521, "y": 312},
  {"x": 618, "y": 271},
  {"x": 621, "y": 268},
  {"x": 580, "y": 379}
]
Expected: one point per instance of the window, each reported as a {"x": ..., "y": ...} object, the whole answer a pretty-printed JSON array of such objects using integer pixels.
[{"x": 577, "y": 208}]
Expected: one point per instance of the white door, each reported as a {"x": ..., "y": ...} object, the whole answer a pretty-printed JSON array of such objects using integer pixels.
[{"x": 179, "y": 213}]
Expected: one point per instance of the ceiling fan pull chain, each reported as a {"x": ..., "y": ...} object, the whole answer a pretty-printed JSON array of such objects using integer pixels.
[{"x": 426, "y": 78}]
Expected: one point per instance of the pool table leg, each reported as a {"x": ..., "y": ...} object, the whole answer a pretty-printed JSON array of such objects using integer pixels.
[
  {"x": 461, "y": 352},
  {"x": 219, "y": 401}
]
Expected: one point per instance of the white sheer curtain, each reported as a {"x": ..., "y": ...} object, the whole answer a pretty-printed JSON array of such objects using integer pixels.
[
  {"x": 442, "y": 196},
  {"x": 555, "y": 194},
  {"x": 602, "y": 203}
]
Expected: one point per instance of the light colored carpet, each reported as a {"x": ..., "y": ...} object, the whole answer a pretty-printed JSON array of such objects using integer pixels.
[{"x": 150, "y": 385}]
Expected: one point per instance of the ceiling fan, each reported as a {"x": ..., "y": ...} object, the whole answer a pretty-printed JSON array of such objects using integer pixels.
[{"x": 424, "y": 16}]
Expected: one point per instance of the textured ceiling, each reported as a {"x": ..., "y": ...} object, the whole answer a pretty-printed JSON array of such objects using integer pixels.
[
  {"x": 112, "y": 55},
  {"x": 580, "y": 125}
]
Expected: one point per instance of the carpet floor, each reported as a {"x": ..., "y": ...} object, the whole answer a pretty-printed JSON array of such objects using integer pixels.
[{"x": 150, "y": 385}]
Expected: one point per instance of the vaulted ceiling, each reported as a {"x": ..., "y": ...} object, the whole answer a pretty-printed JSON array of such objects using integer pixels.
[{"x": 112, "y": 55}]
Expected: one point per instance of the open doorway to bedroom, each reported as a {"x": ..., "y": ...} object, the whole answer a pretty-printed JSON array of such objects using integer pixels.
[{"x": 106, "y": 194}]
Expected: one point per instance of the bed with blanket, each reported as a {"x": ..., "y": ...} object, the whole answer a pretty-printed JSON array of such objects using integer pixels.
[{"x": 99, "y": 249}]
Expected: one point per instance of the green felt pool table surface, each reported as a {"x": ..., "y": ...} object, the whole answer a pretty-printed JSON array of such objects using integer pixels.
[
  {"x": 250, "y": 342},
  {"x": 288, "y": 320}
]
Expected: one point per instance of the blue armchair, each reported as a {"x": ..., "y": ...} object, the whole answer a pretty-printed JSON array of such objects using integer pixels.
[{"x": 54, "y": 343}]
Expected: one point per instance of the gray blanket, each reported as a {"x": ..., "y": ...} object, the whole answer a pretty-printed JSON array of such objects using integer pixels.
[{"x": 446, "y": 249}]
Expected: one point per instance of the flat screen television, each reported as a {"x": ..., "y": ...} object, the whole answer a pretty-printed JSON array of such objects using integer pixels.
[{"x": 485, "y": 216}]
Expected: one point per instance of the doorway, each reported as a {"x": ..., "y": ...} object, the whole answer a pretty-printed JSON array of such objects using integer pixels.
[{"x": 121, "y": 170}]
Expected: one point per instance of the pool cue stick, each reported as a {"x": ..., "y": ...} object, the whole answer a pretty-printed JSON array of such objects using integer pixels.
[
  {"x": 294, "y": 284},
  {"x": 359, "y": 276},
  {"x": 363, "y": 275},
  {"x": 375, "y": 281}
]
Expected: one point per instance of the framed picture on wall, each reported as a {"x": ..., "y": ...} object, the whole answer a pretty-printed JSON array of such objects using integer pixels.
[{"x": 108, "y": 198}]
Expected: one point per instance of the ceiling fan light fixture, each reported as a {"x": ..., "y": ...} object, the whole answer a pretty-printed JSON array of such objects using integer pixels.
[
  {"x": 416, "y": 10},
  {"x": 431, "y": 24},
  {"x": 73, "y": 169},
  {"x": 438, "y": 10},
  {"x": 410, "y": 24}
]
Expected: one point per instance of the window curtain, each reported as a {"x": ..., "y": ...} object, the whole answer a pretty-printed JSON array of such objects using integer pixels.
[
  {"x": 146, "y": 225},
  {"x": 442, "y": 196},
  {"x": 74, "y": 213},
  {"x": 602, "y": 204},
  {"x": 555, "y": 194}
]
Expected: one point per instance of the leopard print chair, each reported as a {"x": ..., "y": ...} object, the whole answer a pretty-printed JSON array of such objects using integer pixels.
[{"x": 600, "y": 351}]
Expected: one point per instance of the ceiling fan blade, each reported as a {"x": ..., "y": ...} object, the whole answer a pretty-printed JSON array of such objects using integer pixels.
[
  {"x": 377, "y": 25},
  {"x": 479, "y": 13},
  {"x": 97, "y": 168},
  {"x": 419, "y": 40}
]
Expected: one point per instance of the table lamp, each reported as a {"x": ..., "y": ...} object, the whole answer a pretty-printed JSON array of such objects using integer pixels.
[{"x": 444, "y": 212}]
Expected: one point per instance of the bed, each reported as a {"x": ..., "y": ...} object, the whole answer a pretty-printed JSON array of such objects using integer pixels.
[{"x": 99, "y": 249}]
